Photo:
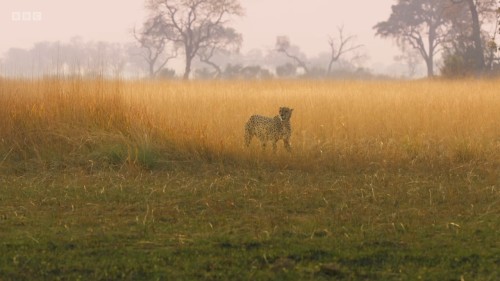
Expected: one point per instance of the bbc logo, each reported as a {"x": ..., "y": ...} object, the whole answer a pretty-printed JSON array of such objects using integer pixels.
[{"x": 26, "y": 16}]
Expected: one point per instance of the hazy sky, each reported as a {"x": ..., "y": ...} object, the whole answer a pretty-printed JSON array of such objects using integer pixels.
[{"x": 307, "y": 22}]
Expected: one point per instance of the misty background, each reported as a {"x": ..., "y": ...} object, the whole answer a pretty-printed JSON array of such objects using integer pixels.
[{"x": 97, "y": 38}]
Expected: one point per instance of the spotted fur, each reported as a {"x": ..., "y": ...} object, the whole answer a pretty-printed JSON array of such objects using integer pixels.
[{"x": 270, "y": 129}]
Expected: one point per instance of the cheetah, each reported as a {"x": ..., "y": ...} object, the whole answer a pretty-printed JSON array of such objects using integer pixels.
[{"x": 270, "y": 129}]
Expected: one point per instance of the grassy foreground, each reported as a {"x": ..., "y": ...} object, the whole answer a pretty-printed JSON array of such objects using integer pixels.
[{"x": 110, "y": 180}]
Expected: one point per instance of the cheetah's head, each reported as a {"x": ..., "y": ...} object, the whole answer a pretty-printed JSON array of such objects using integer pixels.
[{"x": 285, "y": 113}]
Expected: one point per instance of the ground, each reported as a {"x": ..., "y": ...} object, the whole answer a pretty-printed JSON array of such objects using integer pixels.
[{"x": 259, "y": 224}]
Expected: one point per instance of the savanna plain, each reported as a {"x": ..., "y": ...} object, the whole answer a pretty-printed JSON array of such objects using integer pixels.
[{"x": 145, "y": 180}]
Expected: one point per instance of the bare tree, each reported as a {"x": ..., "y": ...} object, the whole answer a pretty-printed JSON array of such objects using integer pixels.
[
  {"x": 158, "y": 49},
  {"x": 193, "y": 22},
  {"x": 284, "y": 46},
  {"x": 340, "y": 46},
  {"x": 224, "y": 40}
]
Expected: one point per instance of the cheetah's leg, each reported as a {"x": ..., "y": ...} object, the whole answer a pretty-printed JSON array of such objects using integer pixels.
[
  {"x": 287, "y": 145},
  {"x": 263, "y": 143},
  {"x": 248, "y": 136},
  {"x": 275, "y": 145}
]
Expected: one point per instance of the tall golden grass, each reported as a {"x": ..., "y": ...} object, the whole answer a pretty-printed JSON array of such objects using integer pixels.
[{"x": 335, "y": 124}]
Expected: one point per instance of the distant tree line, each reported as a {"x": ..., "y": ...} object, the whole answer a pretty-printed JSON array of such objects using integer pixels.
[
  {"x": 198, "y": 34},
  {"x": 75, "y": 57},
  {"x": 195, "y": 32},
  {"x": 130, "y": 60}
]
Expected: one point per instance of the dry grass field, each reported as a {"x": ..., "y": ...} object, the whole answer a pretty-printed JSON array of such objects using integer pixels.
[
  {"x": 335, "y": 124},
  {"x": 388, "y": 180}
]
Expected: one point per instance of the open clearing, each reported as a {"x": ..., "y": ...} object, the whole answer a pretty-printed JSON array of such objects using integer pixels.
[{"x": 115, "y": 180}]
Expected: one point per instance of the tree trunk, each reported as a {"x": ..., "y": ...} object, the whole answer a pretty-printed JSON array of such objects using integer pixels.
[
  {"x": 430, "y": 55},
  {"x": 151, "y": 69},
  {"x": 476, "y": 36},
  {"x": 430, "y": 65},
  {"x": 189, "y": 59},
  {"x": 329, "y": 71},
  {"x": 187, "y": 69}
]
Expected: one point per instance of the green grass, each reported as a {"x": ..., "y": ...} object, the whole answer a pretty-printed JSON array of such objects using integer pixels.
[{"x": 193, "y": 220}]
